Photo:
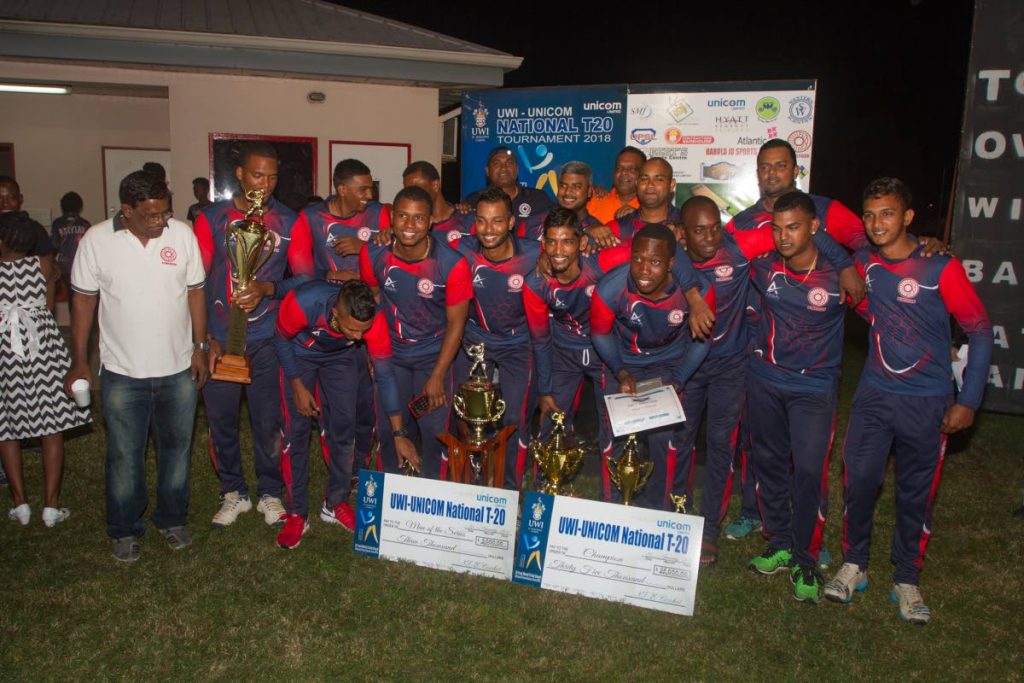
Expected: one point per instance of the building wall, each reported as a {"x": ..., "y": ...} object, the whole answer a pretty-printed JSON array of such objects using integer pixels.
[{"x": 57, "y": 139}]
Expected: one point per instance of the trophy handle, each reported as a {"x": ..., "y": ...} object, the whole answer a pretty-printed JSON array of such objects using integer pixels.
[
  {"x": 459, "y": 404},
  {"x": 612, "y": 473},
  {"x": 499, "y": 410},
  {"x": 265, "y": 253}
]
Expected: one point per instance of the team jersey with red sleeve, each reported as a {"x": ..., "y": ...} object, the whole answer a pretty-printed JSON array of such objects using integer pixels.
[
  {"x": 841, "y": 223},
  {"x": 630, "y": 330},
  {"x": 292, "y": 249},
  {"x": 325, "y": 229},
  {"x": 627, "y": 226},
  {"x": 799, "y": 340},
  {"x": 532, "y": 228},
  {"x": 497, "y": 315},
  {"x": 456, "y": 226},
  {"x": 415, "y": 295},
  {"x": 729, "y": 271},
  {"x": 304, "y": 331},
  {"x": 908, "y": 305}
]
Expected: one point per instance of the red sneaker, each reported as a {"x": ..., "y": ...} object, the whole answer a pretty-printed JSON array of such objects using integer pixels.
[
  {"x": 295, "y": 527},
  {"x": 342, "y": 514}
]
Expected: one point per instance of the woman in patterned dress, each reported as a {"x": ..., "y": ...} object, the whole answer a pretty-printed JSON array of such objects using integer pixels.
[{"x": 33, "y": 362}]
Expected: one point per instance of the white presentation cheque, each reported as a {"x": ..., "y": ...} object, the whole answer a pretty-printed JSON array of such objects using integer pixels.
[
  {"x": 647, "y": 558},
  {"x": 437, "y": 524},
  {"x": 631, "y": 413}
]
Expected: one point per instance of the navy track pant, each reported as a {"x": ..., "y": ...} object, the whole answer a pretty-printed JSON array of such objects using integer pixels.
[
  {"x": 569, "y": 369},
  {"x": 330, "y": 377},
  {"x": 518, "y": 390},
  {"x": 791, "y": 437},
  {"x": 411, "y": 374},
  {"x": 223, "y": 405},
  {"x": 366, "y": 415},
  {"x": 908, "y": 426},
  {"x": 717, "y": 388}
]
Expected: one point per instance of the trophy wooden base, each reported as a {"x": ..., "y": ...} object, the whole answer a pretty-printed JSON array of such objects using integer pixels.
[
  {"x": 231, "y": 368},
  {"x": 491, "y": 454}
]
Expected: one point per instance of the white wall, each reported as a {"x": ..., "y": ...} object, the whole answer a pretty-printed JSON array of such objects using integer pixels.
[{"x": 57, "y": 139}]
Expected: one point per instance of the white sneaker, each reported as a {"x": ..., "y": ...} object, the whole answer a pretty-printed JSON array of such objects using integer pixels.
[
  {"x": 232, "y": 504},
  {"x": 273, "y": 511},
  {"x": 912, "y": 607},
  {"x": 847, "y": 581},
  {"x": 53, "y": 516},
  {"x": 21, "y": 514}
]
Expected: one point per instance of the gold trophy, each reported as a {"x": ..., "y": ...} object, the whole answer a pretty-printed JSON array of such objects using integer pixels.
[
  {"x": 249, "y": 246},
  {"x": 477, "y": 401},
  {"x": 558, "y": 462},
  {"x": 681, "y": 503},
  {"x": 629, "y": 473}
]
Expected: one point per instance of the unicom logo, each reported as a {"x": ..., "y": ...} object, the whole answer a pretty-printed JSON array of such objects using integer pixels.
[{"x": 538, "y": 510}]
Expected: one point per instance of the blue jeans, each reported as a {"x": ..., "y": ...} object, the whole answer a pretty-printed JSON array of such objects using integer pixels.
[{"x": 131, "y": 407}]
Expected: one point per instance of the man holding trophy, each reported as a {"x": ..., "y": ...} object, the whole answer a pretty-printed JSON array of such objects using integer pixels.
[
  {"x": 424, "y": 288},
  {"x": 246, "y": 243}
]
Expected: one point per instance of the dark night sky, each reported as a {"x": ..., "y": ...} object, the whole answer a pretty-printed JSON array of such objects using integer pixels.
[{"x": 891, "y": 75}]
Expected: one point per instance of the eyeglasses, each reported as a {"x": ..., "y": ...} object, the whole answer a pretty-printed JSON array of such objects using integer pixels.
[{"x": 155, "y": 217}]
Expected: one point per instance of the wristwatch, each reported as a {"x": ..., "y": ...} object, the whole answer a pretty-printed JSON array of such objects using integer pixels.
[
  {"x": 201, "y": 346},
  {"x": 402, "y": 433}
]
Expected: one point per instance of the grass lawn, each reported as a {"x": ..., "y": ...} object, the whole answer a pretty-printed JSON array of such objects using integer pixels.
[{"x": 234, "y": 606}]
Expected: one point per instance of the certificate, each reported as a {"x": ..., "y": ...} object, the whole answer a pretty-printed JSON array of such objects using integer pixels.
[
  {"x": 647, "y": 558},
  {"x": 437, "y": 524},
  {"x": 631, "y": 413}
]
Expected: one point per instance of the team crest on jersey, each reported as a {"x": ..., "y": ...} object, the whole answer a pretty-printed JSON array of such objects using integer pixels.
[
  {"x": 907, "y": 290},
  {"x": 453, "y": 235},
  {"x": 515, "y": 282},
  {"x": 817, "y": 298},
  {"x": 425, "y": 287},
  {"x": 723, "y": 273},
  {"x": 525, "y": 210},
  {"x": 675, "y": 317},
  {"x": 168, "y": 256},
  {"x": 364, "y": 233}
]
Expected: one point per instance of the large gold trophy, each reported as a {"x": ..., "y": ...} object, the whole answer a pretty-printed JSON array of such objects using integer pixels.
[
  {"x": 556, "y": 459},
  {"x": 477, "y": 401},
  {"x": 249, "y": 245},
  {"x": 481, "y": 458},
  {"x": 629, "y": 473}
]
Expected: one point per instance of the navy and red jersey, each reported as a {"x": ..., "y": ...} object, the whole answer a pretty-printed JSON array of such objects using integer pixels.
[
  {"x": 629, "y": 330},
  {"x": 841, "y": 223},
  {"x": 325, "y": 229},
  {"x": 532, "y": 228},
  {"x": 627, "y": 226},
  {"x": 415, "y": 295},
  {"x": 908, "y": 305},
  {"x": 799, "y": 339},
  {"x": 292, "y": 249},
  {"x": 527, "y": 202},
  {"x": 67, "y": 232},
  {"x": 729, "y": 271},
  {"x": 304, "y": 330},
  {"x": 456, "y": 226},
  {"x": 497, "y": 315}
]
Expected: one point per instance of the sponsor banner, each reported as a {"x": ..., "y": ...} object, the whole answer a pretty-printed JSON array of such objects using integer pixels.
[
  {"x": 988, "y": 212},
  {"x": 647, "y": 558},
  {"x": 437, "y": 524},
  {"x": 544, "y": 127},
  {"x": 711, "y": 134}
]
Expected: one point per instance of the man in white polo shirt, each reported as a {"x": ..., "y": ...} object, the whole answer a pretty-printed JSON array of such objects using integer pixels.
[{"x": 145, "y": 271}]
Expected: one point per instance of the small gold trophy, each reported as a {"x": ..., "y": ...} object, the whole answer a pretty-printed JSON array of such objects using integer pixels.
[
  {"x": 558, "y": 462},
  {"x": 477, "y": 401},
  {"x": 681, "y": 503},
  {"x": 629, "y": 473},
  {"x": 249, "y": 245}
]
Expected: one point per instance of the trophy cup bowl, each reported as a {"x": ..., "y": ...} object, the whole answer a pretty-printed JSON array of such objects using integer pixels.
[
  {"x": 557, "y": 461},
  {"x": 477, "y": 403},
  {"x": 629, "y": 473},
  {"x": 249, "y": 246}
]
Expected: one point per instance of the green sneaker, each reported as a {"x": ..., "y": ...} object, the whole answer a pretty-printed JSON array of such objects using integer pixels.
[
  {"x": 771, "y": 561},
  {"x": 806, "y": 584},
  {"x": 742, "y": 527}
]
